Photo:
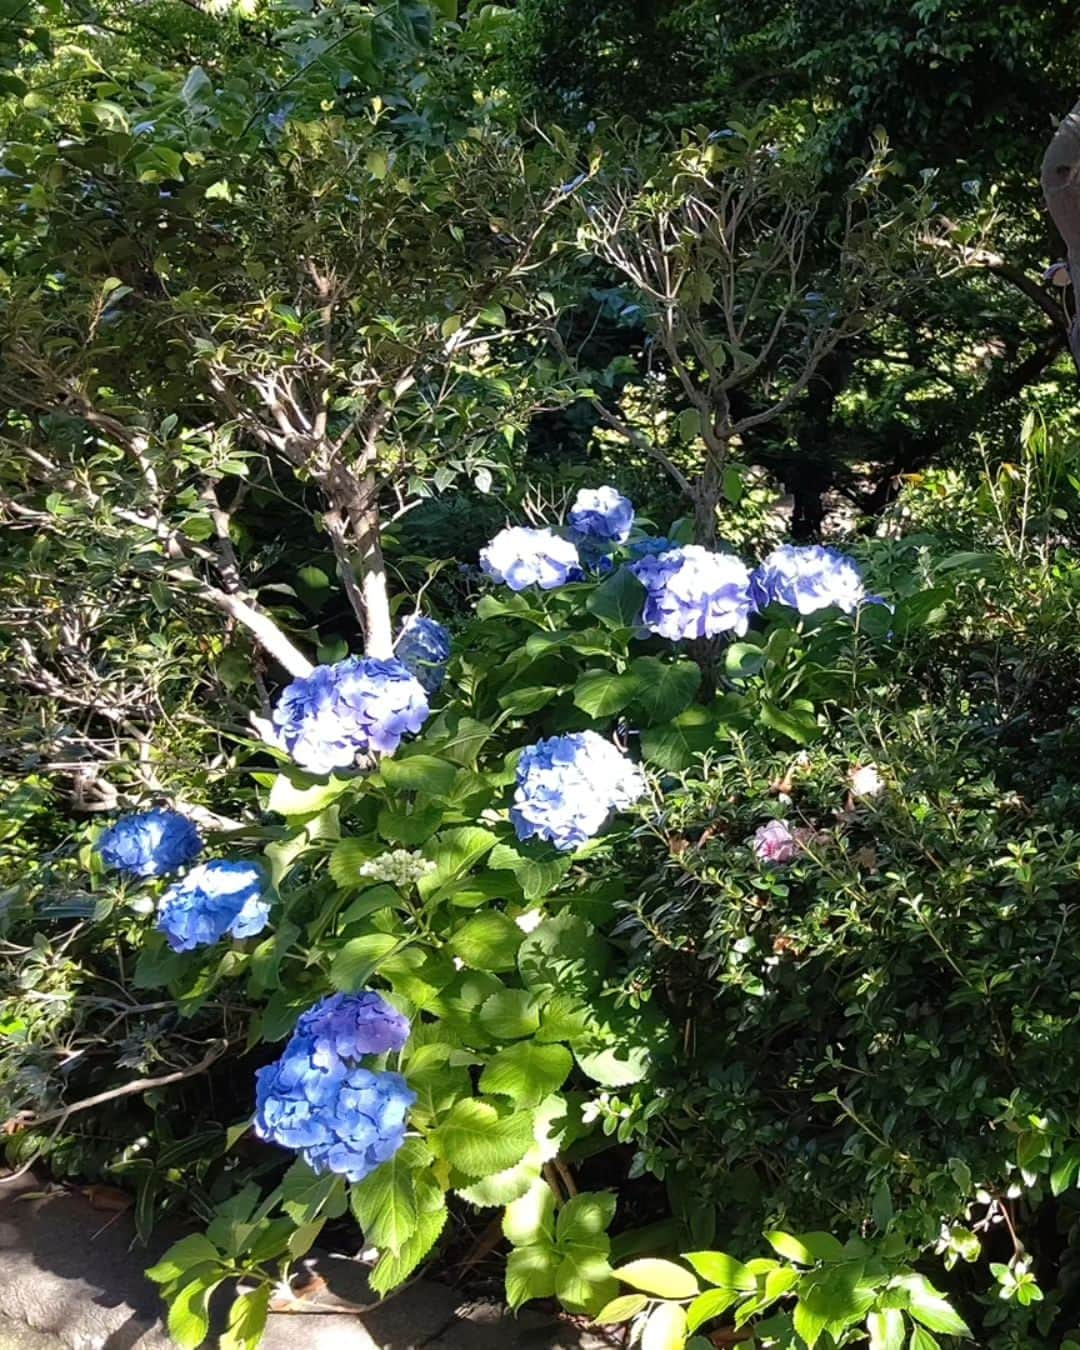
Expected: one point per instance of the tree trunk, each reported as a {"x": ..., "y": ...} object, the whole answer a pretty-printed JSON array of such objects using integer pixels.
[{"x": 1061, "y": 189}]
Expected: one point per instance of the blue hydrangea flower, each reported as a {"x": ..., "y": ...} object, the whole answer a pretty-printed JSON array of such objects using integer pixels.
[
  {"x": 150, "y": 844},
  {"x": 648, "y": 548},
  {"x": 354, "y": 707},
  {"x": 692, "y": 593},
  {"x": 807, "y": 578},
  {"x": 348, "y": 1026},
  {"x": 521, "y": 557},
  {"x": 214, "y": 898},
  {"x": 423, "y": 648},
  {"x": 316, "y": 1099},
  {"x": 602, "y": 515},
  {"x": 567, "y": 786}
]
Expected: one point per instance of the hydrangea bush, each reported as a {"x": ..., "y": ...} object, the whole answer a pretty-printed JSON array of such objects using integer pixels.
[{"x": 432, "y": 936}]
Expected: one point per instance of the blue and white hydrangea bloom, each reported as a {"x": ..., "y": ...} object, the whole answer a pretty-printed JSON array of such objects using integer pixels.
[
  {"x": 423, "y": 648},
  {"x": 602, "y": 516},
  {"x": 808, "y": 578},
  {"x": 567, "y": 787},
  {"x": 521, "y": 557},
  {"x": 359, "y": 706},
  {"x": 150, "y": 843},
  {"x": 214, "y": 899},
  {"x": 338, "y": 1115},
  {"x": 694, "y": 593}
]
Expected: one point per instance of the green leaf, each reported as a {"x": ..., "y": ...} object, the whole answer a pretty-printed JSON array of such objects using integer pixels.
[
  {"x": 806, "y": 1249},
  {"x": 708, "y": 1305},
  {"x": 930, "y": 1307},
  {"x": 563, "y": 954},
  {"x": 453, "y": 853},
  {"x": 618, "y": 600},
  {"x": 621, "y": 1309},
  {"x": 663, "y": 1278},
  {"x": 1064, "y": 1171},
  {"x": 797, "y": 725},
  {"x": 305, "y": 1195},
  {"x": 833, "y": 1299},
  {"x": 922, "y": 1340},
  {"x": 296, "y": 794},
  {"x": 384, "y": 1203},
  {"x": 355, "y": 963},
  {"x": 723, "y": 1270},
  {"x": 677, "y": 744},
  {"x": 664, "y": 688},
  {"x": 188, "y": 1319},
  {"x": 478, "y": 1141},
  {"x": 530, "y": 1273},
  {"x": 488, "y": 941},
  {"x": 536, "y": 867},
  {"x": 601, "y": 693},
  {"x": 527, "y": 1072},
  {"x": 420, "y": 773},
  {"x": 583, "y": 1280},
  {"x": 510, "y": 1015},
  {"x": 247, "y": 1320},
  {"x": 886, "y": 1329},
  {"x": 530, "y": 1220},
  {"x": 392, "y": 1268},
  {"x": 585, "y": 1216},
  {"x": 743, "y": 660},
  {"x": 665, "y": 1328},
  {"x": 503, "y": 1188},
  {"x": 194, "y": 1250},
  {"x": 615, "y": 1066}
]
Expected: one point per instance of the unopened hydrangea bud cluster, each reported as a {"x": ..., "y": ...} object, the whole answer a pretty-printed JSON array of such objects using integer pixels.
[
  {"x": 400, "y": 867},
  {"x": 321, "y": 1101}
]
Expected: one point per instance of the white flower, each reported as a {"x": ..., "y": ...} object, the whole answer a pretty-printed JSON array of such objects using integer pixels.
[
  {"x": 866, "y": 781},
  {"x": 530, "y": 920},
  {"x": 400, "y": 867}
]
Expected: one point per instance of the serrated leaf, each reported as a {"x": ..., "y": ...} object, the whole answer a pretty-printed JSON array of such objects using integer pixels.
[
  {"x": 618, "y": 600},
  {"x": 886, "y": 1329},
  {"x": 503, "y": 1188},
  {"x": 664, "y": 688},
  {"x": 527, "y": 1072},
  {"x": 194, "y": 1250},
  {"x": 299, "y": 794},
  {"x": 930, "y": 1307},
  {"x": 530, "y": 1219},
  {"x": 536, "y": 868},
  {"x": 247, "y": 1320},
  {"x": 188, "y": 1319},
  {"x": 602, "y": 693},
  {"x": 615, "y": 1066},
  {"x": 585, "y": 1217},
  {"x": 355, "y": 962},
  {"x": 510, "y": 1014},
  {"x": 384, "y": 1203},
  {"x": 675, "y": 745},
  {"x": 653, "y": 1276},
  {"x": 419, "y": 773},
  {"x": 453, "y": 853},
  {"x": 530, "y": 1273},
  {"x": 488, "y": 941},
  {"x": 390, "y": 1269},
  {"x": 478, "y": 1141}
]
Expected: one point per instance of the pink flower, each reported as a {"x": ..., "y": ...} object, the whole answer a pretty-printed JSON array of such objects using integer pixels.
[{"x": 775, "y": 843}]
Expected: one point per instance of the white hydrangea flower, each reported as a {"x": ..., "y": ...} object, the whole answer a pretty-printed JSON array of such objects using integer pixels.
[{"x": 866, "y": 781}]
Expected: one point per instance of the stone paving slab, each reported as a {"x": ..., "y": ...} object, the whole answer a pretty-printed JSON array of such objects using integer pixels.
[{"x": 71, "y": 1279}]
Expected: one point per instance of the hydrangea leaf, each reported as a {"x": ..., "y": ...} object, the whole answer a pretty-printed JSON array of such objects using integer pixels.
[
  {"x": 298, "y": 794},
  {"x": 384, "y": 1203},
  {"x": 583, "y": 1280},
  {"x": 247, "y": 1320},
  {"x": 453, "y": 853},
  {"x": 565, "y": 955},
  {"x": 391, "y": 1268},
  {"x": 420, "y": 773},
  {"x": 602, "y": 693},
  {"x": 585, "y": 1216},
  {"x": 510, "y": 1014},
  {"x": 675, "y": 745},
  {"x": 353, "y": 965},
  {"x": 536, "y": 867},
  {"x": 410, "y": 827},
  {"x": 478, "y": 1141},
  {"x": 488, "y": 941},
  {"x": 527, "y": 1072},
  {"x": 664, "y": 688},
  {"x": 531, "y": 1219},
  {"x": 502, "y": 1188},
  {"x": 530, "y": 1273},
  {"x": 618, "y": 600}
]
